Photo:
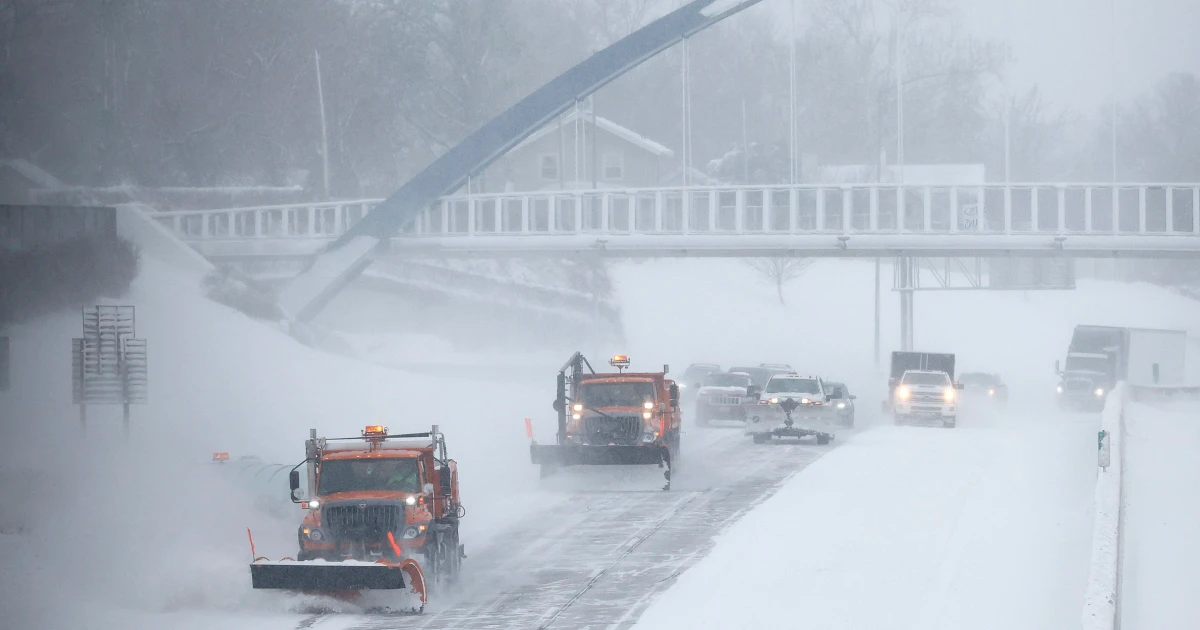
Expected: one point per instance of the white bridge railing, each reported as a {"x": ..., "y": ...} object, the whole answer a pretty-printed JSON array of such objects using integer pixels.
[{"x": 1053, "y": 209}]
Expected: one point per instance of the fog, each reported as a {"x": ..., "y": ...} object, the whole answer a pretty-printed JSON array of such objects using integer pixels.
[{"x": 186, "y": 106}]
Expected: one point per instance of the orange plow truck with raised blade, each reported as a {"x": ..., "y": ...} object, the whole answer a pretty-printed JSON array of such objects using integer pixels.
[
  {"x": 621, "y": 418},
  {"x": 381, "y": 511}
]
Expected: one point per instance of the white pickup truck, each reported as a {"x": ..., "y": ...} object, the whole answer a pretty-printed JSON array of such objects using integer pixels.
[{"x": 926, "y": 395}]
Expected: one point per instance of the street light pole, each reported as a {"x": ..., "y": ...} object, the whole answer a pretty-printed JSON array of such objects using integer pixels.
[
  {"x": 1112, "y": 79},
  {"x": 899, "y": 97},
  {"x": 324, "y": 131},
  {"x": 792, "y": 127}
]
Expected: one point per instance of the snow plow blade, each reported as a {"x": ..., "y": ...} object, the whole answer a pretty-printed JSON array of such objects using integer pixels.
[
  {"x": 555, "y": 455},
  {"x": 326, "y": 576}
]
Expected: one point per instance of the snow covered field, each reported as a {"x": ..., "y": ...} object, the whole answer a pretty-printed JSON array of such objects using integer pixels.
[
  {"x": 984, "y": 526},
  {"x": 1161, "y": 572}
]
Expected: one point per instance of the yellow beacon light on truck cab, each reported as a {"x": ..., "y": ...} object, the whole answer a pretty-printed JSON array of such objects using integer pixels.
[
  {"x": 620, "y": 360},
  {"x": 374, "y": 430}
]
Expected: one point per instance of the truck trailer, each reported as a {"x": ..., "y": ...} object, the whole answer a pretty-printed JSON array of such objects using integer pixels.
[{"x": 1099, "y": 357}]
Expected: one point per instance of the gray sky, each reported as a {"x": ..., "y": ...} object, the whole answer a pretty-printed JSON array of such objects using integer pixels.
[{"x": 1063, "y": 45}]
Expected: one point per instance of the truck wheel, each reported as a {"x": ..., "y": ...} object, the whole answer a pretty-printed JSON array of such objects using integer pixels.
[
  {"x": 822, "y": 440},
  {"x": 949, "y": 424},
  {"x": 898, "y": 419},
  {"x": 761, "y": 438}
]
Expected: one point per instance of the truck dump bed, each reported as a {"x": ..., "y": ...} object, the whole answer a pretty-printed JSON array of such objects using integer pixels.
[{"x": 904, "y": 361}]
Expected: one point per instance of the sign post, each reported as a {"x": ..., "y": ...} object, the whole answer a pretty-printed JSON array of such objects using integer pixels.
[
  {"x": 1103, "y": 442},
  {"x": 108, "y": 363}
]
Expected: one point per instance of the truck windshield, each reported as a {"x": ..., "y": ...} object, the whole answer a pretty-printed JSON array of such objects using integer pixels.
[
  {"x": 726, "y": 380},
  {"x": 1087, "y": 364},
  {"x": 926, "y": 378},
  {"x": 358, "y": 475},
  {"x": 793, "y": 385},
  {"x": 597, "y": 395}
]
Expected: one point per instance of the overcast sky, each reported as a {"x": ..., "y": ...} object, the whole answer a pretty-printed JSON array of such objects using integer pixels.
[{"x": 1063, "y": 45}]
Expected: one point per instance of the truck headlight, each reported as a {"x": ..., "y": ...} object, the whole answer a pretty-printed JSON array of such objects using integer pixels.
[
  {"x": 315, "y": 535},
  {"x": 948, "y": 395},
  {"x": 412, "y": 531},
  {"x": 648, "y": 437},
  {"x": 646, "y": 415},
  {"x": 647, "y": 405},
  {"x": 903, "y": 393},
  {"x": 1099, "y": 391},
  {"x": 1059, "y": 388},
  {"x": 314, "y": 505},
  {"x": 841, "y": 405},
  {"x": 410, "y": 500},
  {"x": 991, "y": 392}
]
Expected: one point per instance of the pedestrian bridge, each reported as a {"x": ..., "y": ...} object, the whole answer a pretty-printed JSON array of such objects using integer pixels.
[{"x": 1148, "y": 220}]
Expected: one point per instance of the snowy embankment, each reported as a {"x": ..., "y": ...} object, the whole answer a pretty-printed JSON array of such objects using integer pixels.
[
  {"x": 99, "y": 531},
  {"x": 1160, "y": 573}
]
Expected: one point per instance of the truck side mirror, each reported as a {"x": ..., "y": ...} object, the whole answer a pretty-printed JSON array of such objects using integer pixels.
[
  {"x": 1154, "y": 372},
  {"x": 853, "y": 397},
  {"x": 959, "y": 386},
  {"x": 674, "y": 395},
  {"x": 294, "y": 484}
]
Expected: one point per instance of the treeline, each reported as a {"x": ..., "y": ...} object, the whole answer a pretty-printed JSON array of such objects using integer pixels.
[{"x": 224, "y": 92}]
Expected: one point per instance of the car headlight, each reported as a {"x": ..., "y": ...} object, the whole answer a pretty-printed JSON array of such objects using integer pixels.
[
  {"x": 314, "y": 504},
  {"x": 948, "y": 395},
  {"x": 774, "y": 401},
  {"x": 991, "y": 392},
  {"x": 841, "y": 405},
  {"x": 1059, "y": 388},
  {"x": 903, "y": 393},
  {"x": 410, "y": 500},
  {"x": 1099, "y": 391},
  {"x": 805, "y": 401}
]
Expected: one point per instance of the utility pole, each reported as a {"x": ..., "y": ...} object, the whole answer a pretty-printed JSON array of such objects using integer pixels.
[
  {"x": 1007, "y": 108},
  {"x": 793, "y": 131},
  {"x": 899, "y": 97},
  {"x": 324, "y": 129},
  {"x": 745, "y": 147},
  {"x": 687, "y": 118},
  {"x": 1112, "y": 80}
]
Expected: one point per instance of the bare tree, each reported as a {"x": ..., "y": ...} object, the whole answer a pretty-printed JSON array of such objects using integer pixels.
[{"x": 779, "y": 271}]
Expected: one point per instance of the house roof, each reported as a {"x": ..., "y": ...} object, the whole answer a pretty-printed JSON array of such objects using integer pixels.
[
  {"x": 611, "y": 127},
  {"x": 33, "y": 173}
]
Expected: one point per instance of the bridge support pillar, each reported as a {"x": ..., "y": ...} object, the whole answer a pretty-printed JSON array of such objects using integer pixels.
[{"x": 906, "y": 284}]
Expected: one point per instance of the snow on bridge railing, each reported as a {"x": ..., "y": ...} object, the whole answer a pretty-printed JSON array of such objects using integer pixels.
[{"x": 1044, "y": 208}]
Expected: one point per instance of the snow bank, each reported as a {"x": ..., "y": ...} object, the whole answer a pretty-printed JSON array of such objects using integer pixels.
[
  {"x": 1160, "y": 571},
  {"x": 979, "y": 527},
  {"x": 1100, "y": 598},
  {"x": 100, "y": 531}
]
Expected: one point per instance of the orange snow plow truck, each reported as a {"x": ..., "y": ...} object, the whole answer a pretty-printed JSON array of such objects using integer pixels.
[
  {"x": 381, "y": 511},
  {"x": 625, "y": 418}
]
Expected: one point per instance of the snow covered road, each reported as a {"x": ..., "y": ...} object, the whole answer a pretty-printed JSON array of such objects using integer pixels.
[
  {"x": 984, "y": 526},
  {"x": 600, "y": 557}
]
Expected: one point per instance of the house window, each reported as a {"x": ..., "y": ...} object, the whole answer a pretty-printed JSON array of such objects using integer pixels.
[
  {"x": 548, "y": 166},
  {"x": 614, "y": 166}
]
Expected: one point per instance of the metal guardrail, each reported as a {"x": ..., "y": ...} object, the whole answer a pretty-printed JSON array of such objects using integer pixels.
[{"x": 1071, "y": 209}]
